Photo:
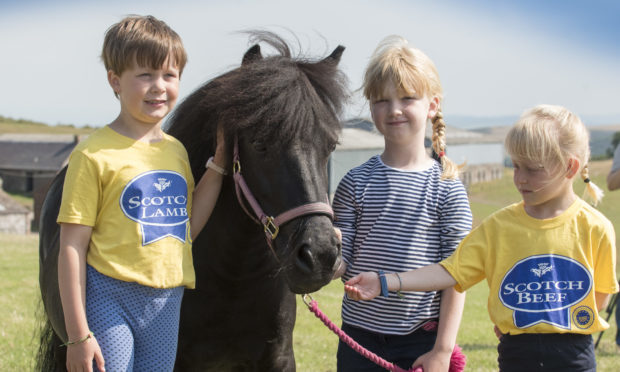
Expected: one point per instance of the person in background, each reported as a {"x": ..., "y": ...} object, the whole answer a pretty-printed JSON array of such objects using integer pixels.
[
  {"x": 613, "y": 178},
  {"x": 613, "y": 183},
  {"x": 398, "y": 211},
  {"x": 549, "y": 260}
]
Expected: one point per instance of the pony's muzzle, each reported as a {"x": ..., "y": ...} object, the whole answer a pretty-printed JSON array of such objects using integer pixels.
[{"x": 316, "y": 253}]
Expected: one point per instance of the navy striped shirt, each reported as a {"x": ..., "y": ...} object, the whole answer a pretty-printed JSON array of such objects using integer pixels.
[{"x": 397, "y": 220}]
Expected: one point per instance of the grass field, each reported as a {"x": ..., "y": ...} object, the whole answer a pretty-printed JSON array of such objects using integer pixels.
[
  {"x": 315, "y": 345},
  {"x": 19, "y": 265}
]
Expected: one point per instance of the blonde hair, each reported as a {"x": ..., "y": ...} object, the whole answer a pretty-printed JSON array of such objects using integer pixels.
[
  {"x": 552, "y": 136},
  {"x": 145, "y": 39},
  {"x": 412, "y": 71}
]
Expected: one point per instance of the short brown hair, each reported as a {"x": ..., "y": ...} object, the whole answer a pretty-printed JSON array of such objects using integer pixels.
[{"x": 145, "y": 39}]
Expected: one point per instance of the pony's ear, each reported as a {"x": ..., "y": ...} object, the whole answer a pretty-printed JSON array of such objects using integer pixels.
[
  {"x": 335, "y": 56},
  {"x": 253, "y": 54}
]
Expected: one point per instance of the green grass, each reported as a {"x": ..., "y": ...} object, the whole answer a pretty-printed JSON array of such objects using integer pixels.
[
  {"x": 315, "y": 345},
  {"x": 18, "y": 301}
]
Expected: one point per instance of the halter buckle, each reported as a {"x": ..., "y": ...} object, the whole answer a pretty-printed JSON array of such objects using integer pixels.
[
  {"x": 271, "y": 227},
  {"x": 236, "y": 167},
  {"x": 307, "y": 299}
]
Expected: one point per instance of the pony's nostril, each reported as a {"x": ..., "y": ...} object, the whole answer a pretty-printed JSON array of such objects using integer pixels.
[{"x": 305, "y": 259}]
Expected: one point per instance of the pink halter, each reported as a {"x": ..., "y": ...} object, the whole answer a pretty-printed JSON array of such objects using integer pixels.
[{"x": 270, "y": 224}]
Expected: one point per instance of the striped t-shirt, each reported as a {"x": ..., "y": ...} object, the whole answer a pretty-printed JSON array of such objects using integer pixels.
[{"x": 395, "y": 220}]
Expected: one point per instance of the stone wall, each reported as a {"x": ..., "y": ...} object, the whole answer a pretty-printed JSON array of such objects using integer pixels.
[{"x": 15, "y": 223}]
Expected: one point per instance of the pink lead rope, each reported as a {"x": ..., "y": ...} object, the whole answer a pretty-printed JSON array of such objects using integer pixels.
[{"x": 457, "y": 360}]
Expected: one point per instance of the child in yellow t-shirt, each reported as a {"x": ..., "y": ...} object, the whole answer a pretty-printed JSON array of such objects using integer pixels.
[{"x": 126, "y": 213}]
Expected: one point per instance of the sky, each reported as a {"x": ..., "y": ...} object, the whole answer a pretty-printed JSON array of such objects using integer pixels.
[{"x": 495, "y": 58}]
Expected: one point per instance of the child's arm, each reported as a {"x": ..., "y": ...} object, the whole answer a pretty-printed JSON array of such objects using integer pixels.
[
  {"x": 345, "y": 221},
  {"x": 613, "y": 180},
  {"x": 208, "y": 189},
  {"x": 451, "y": 310},
  {"x": 602, "y": 300},
  {"x": 366, "y": 286},
  {"x": 74, "y": 240}
]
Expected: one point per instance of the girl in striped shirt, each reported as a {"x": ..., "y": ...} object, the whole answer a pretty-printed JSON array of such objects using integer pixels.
[{"x": 402, "y": 210}]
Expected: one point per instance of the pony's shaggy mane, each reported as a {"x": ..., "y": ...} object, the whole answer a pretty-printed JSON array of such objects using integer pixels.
[{"x": 291, "y": 98}]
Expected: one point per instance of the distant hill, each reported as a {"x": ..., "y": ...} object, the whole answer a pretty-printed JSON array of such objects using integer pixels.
[
  {"x": 9, "y": 125},
  {"x": 600, "y": 136},
  {"x": 492, "y": 127},
  {"x": 600, "y": 139},
  {"x": 477, "y": 122}
]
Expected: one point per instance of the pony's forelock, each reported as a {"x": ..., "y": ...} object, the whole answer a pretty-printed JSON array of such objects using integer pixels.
[{"x": 274, "y": 100}]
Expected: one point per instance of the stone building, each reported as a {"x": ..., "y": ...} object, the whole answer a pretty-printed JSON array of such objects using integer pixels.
[
  {"x": 14, "y": 217},
  {"x": 28, "y": 163}
]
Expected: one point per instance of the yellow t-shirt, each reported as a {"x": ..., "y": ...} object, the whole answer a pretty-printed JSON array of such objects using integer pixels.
[
  {"x": 542, "y": 274},
  {"x": 137, "y": 196}
]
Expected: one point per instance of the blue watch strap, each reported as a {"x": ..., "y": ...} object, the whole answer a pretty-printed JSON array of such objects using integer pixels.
[{"x": 384, "y": 288}]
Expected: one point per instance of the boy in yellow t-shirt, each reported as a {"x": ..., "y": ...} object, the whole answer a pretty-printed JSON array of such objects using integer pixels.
[
  {"x": 126, "y": 214},
  {"x": 549, "y": 260}
]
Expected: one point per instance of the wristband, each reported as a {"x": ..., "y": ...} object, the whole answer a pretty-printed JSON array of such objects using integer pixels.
[
  {"x": 400, "y": 286},
  {"x": 215, "y": 167},
  {"x": 383, "y": 281},
  {"x": 81, "y": 340}
]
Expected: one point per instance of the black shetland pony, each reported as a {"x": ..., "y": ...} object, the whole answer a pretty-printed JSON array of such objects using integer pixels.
[{"x": 282, "y": 113}]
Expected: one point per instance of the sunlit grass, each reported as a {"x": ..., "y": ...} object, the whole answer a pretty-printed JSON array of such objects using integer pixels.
[{"x": 315, "y": 345}]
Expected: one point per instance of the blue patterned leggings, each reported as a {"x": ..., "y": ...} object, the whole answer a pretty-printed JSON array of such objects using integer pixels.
[{"x": 136, "y": 326}]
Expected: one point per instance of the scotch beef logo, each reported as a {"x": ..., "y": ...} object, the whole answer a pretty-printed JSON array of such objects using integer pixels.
[
  {"x": 157, "y": 200},
  {"x": 542, "y": 289}
]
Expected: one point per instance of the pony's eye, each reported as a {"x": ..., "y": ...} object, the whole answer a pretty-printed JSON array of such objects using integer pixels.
[
  {"x": 332, "y": 147},
  {"x": 259, "y": 147}
]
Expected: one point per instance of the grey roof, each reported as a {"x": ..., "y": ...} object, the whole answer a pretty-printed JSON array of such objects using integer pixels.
[{"x": 34, "y": 155}]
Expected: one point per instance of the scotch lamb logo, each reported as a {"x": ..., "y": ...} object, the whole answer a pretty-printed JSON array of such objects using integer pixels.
[
  {"x": 161, "y": 184},
  {"x": 543, "y": 268},
  {"x": 157, "y": 200},
  {"x": 543, "y": 288}
]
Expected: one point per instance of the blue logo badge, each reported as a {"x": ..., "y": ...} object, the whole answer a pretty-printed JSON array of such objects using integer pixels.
[
  {"x": 157, "y": 200},
  {"x": 542, "y": 288},
  {"x": 583, "y": 317}
]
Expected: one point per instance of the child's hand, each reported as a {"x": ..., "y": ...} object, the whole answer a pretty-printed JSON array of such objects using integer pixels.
[
  {"x": 432, "y": 361},
  {"x": 80, "y": 356},
  {"x": 364, "y": 286},
  {"x": 338, "y": 234}
]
